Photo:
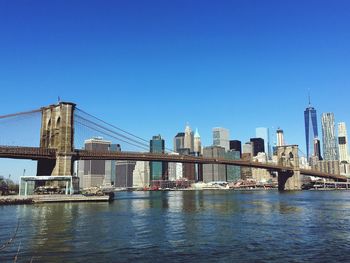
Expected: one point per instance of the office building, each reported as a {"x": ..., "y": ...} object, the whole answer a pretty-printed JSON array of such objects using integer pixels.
[
  {"x": 317, "y": 149},
  {"x": 95, "y": 173},
  {"x": 189, "y": 138},
  {"x": 197, "y": 143},
  {"x": 141, "y": 175},
  {"x": 247, "y": 148},
  {"x": 175, "y": 171},
  {"x": 264, "y": 134},
  {"x": 188, "y": 169},
  {"x": 258, "y": 146},
  {"x": 124, "y": 173},
  {"x": 236, "y": 145},
  {"x": 260, "y": 175},
  {"x": 179, "y": 141},
  {"x": 280, "y": 137},
  {"x": 246, "y": 172},
  {"x": 221, "y": 137},
  {"x": 158, "y": 170},
  {"x": 311, "y": 130},
  {"x": 233, "y": 173},
  {"x": 214, "y": 172},
  {"x": 343, "y": 143},
  {"x": 330, "y": 149}
]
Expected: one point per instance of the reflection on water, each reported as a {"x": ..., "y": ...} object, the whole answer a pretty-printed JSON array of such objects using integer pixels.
[{"x": 178, "y": 226}]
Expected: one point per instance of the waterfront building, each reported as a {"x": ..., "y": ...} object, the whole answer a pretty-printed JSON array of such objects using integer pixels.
[
  {"x": 260, "y": 175},
  {"x": 214, "y": 172},
  {"x": 179, "y": 141},
  {"x": 246, "y": 172},
  {"x": 311, "y": 130},
  {"x": 124, "y": 173},
  {"x": 141, "y": 175},
  {"x": 175, "y": 171},
  {"x": 158, "y": 170},
  {"x": 95, "y": 173},
  {"x": 264, "y": 134},
  {"x": 188, "y": 169},
  {"x": 221, "y": 137},
  {"x": 233, "y": 173},
  {"x": 280, "y": 137},
  {"x": 236, "y": 145},
  {"x": 330, "y": 149},
  {"x": 197, "y": 142},
  {"x": 258, "y": 146},
  {"x": 343, "y": 143},
  {"x": 189, "y": 138}
]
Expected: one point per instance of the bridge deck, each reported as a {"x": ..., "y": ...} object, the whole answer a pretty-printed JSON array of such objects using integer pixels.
[{"x": 37, "y": 153}]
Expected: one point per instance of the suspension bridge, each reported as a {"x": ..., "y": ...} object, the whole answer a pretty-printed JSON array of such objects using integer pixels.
[{"x": 64, "y": 127}]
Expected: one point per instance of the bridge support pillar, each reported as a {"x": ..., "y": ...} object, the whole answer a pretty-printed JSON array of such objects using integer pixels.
[
  {"x": 57, "y": 132},
  {"x": 289, "y": 179},
  {"x": 64, "y": 165}
]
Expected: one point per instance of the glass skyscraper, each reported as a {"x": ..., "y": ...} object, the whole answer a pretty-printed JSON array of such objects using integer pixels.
[
  {"x": 311, "y": 130},
  {"x": 330, "y": 149},
  {"x": 158, "y": 170}
]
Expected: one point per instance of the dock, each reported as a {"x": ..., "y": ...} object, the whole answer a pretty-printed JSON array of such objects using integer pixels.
[{"x": 37, "y": 199}]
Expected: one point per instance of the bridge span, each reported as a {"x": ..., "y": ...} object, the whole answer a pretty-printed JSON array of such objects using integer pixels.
[{"x": 39, "y": 153}]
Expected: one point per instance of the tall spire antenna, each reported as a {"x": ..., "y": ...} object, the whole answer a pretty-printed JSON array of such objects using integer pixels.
[{"x": 309, "y": 97}]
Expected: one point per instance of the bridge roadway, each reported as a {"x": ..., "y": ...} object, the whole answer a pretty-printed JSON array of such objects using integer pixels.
[{"x": 37, "y": 153}]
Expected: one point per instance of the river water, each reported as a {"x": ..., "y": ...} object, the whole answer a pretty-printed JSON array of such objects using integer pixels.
[{"x": 184, "y": 226}]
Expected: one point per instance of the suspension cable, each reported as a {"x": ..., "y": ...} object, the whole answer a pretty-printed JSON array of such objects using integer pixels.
[
  {"x": 109, "y": 135},
  {"x": 19, "y": 113},
  {"x": 115, "y": 127},
  {"x": 111, "y": 131}
]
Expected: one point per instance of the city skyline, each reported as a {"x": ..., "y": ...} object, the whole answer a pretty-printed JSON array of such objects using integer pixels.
[
  {"x": 166, "y": 144},
  {"x": 229, "y": 65}
]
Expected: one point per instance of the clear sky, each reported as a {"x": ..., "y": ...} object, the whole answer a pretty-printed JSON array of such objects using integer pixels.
[{"x": 151, "y": 66}]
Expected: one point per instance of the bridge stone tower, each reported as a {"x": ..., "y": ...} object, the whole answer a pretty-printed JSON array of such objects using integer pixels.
[
  {"x": 288, "y": 156},
  {"x": 57, "y": 132}
]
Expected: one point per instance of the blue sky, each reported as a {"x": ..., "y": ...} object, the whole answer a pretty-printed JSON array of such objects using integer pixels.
[{"x": 151, "y": 66}]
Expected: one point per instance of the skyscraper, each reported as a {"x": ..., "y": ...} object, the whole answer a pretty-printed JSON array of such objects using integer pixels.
[
  {"x": 257, "y": 146},
  {"x": 188, "y": 139},
  {"x": 124, "y": 173},
  {"x": 179, "y": 141},
  {"x": 97, "y": 172},
  {"x": 317, "y": 149},
  {"x": 280, "y": 137},
  {"x": 343, "y": 143},
  {"x": 158, "y": 170},
  {"x": 214, "y": 172},
  {"x": 221, "y": 137},
  {"x": 263, "y": 133},
  {"x": 247, "y": 148},
  {"x": 233, "y": 172},
  {"x": 141, "y": 174},
  {"x": 236, "y": 145},
  {"x": 330, "y": 149},
  {"x": 311, "y": 130},
  {"x": 175, "y": 170},
  {"x": 197, "y": 143}
]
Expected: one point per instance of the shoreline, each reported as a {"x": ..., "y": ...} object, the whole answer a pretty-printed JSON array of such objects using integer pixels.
[{"x": 40, "y": 199}]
